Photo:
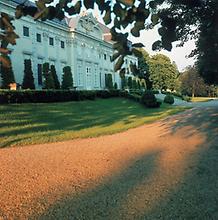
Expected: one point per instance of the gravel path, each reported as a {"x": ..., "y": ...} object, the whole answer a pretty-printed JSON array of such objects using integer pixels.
[
  {"x": 212, "y": 103},
  {"x": 164, "y": 170}
]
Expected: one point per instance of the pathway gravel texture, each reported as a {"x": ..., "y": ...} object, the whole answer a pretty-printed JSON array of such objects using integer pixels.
[{"x": 164, "y": 170}]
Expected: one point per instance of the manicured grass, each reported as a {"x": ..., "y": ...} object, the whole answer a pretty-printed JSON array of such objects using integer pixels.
[
  {"x": 22, "y": 124},
  {"x": 201, "y": 99}
]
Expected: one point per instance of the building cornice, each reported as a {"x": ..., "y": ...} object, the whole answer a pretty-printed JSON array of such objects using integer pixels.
[
  {"x": 50, "y": 23},
  {"x": 107, "y": 44}
]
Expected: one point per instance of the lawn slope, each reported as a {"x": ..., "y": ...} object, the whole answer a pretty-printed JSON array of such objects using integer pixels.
[{"x": 22, "y": 124}]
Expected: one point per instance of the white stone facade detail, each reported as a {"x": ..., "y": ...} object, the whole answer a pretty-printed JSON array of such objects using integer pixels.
[{"x": 77, "y": 42}]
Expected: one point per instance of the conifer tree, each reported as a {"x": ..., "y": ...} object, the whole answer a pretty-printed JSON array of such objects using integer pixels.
[
  {"x": 115, "y": 86},
  {"x": 108, "y": 81},
  {"x": 55, "y": 77},
  {"x": 7, "y": 76},
  {"x": 28, "y": 79},
  {"x": 134, "y": 84},
  {"x": 123, "y": 82},
  {"x": 48, "y": 78},
  {"x": 129, "y": 82},
  {"x": 138, "y": 85},
  {"x": 67, "y": 78}
]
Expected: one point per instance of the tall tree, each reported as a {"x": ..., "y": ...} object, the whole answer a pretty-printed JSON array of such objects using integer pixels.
[
  {"x": 143, "y": 67},
  {"x": 28, "y": 79},
  {"x": 48, "y": 78},
  {"x": 55, "y": 77},
  {"x": 163, "y": 73},
  {"x": 194, "y": 19},
  {"x": 192, "y": 83},
  {"x": 7, "y": 76},
  {"x": 67, "y": 78}
]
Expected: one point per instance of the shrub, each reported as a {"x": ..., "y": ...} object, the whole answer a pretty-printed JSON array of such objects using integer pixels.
[
  {"x": 186, "y": 98},
  {"x": 49, "y": 81},
  {"x": 134, "y": 84},
  {"x": 123, "y": 82},
  {"x": 129, "y": 82},
  {"x": 104, "y": 94},
  {"x": 169, "y": 99},
  {"x": 108, "y": 81},
  {"x": 55, "y": 77},
  {"x": 149, "y": 100},
  {"x": 123, "y": 93},
  {"x": 115, "y": 86},
  {"x": 46, "y": 96},
  {"x": 138, "y": 85},
  {"x": 67, "y": 78},
  {"x": 87, "y": 95},
  {"x": 177, "y": 94},
  {"x": 7, "y": 76},
  {"x": 155, "y": 91},
  {"x": 28, "y": 80},
  {"x": 143, "y": 86}
]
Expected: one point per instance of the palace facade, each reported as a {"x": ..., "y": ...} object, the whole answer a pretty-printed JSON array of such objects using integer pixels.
[{"x": 80, "y": 42}]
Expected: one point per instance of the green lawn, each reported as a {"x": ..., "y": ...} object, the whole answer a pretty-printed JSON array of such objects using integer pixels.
[
  {"x": 201, "y": 99},
  {"x": 22, "y": 124}
]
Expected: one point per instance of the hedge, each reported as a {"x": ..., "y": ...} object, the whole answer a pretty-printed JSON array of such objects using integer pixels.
[
  {"x": 169, "y": 99},
  {"x": 46, "y": 96},
  {"x": 149, "y": 100}
]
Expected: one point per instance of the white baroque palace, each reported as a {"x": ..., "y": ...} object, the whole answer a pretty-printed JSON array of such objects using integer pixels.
[{"x": 80, "y": 42}]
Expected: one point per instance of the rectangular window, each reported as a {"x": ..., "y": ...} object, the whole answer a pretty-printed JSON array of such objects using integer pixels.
[
  {"x": 51, "y": 41},
  {"x": 80, "y": 74},
  {"x": 105, "y": 56},
  {"x": 26, "y": 31},
  {"x": 62, "y": 44},
  {"x": 39, "y": 70},
  {"x": 88, "y": 77},
  {"x": 96, "y": 76},
  {"x": 38, "y": 38}
]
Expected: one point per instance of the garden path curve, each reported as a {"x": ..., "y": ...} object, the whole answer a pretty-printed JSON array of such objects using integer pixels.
[{"x": 163, "y": 170}]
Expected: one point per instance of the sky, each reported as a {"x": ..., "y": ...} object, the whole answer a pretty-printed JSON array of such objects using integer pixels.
[{"x": 177, "y": 54}]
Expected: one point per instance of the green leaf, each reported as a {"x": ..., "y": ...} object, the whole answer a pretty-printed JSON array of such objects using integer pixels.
[
  {"x": 135, "y": 32},
  {"x": 127, "y": 3},
  {"x": 154, "y": 19},
  {"x": 107, "y": 17},
  {"x": 78, "y": 6},
  {"x": 138, "y": 45},
  {"x": 89, "y": 3},
  {"x": 119, "y": 64},
  {"x": 115, "y": 56}
]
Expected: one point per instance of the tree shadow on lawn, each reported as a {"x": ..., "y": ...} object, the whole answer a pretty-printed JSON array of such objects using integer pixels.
[
  {"x": 194, "y": 196},
  {"x": 60, "y": 118}
]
